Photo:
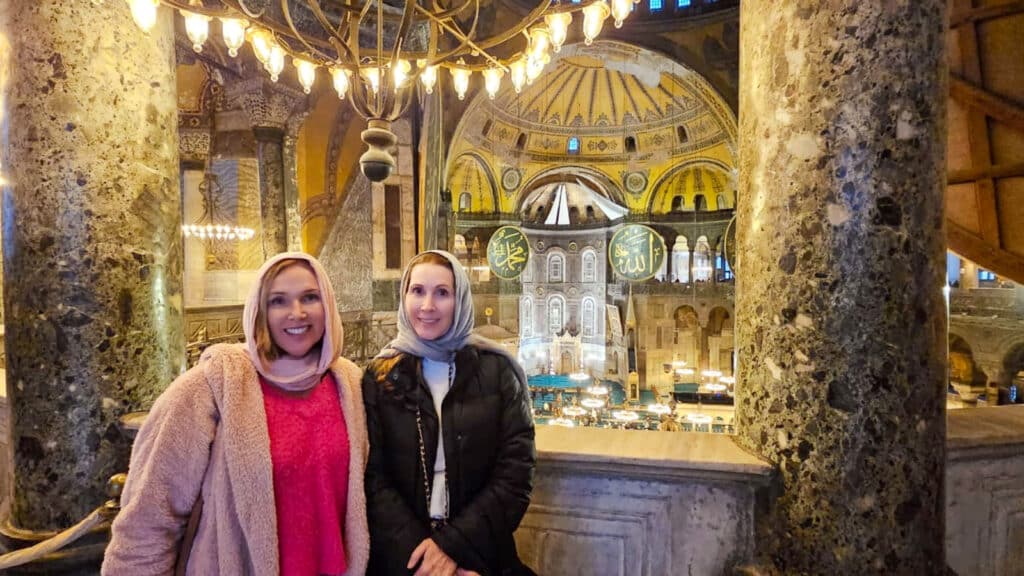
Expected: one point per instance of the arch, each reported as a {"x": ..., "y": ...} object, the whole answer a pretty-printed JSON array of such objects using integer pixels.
[
  {"x": 1013, "y": 360},
  {"x": 702, "y": 265},
  {"x": 556, "y": 267},
  {"x": 719, "y": 320},
  {"x": 962, "y": 368},
  {"x": 680, "y": 261},
  {"x": 526, "y": 317},
  {"x": 588, "y": 265},
  {"x": 460, "y": 248},
  {"x": 592, "y": 177},
  {"x": 684, "y": 179},
  {"x": 470, "y": 174},
  {"x": 555, "y": 315},
  {"x": 589, "y": 316}
]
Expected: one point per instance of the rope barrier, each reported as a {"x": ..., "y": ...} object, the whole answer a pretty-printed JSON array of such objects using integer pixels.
[{"x": 51, "y": 545}]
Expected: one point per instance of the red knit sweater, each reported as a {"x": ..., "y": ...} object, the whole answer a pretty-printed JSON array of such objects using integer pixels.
[{"x": 310, "y": 453}]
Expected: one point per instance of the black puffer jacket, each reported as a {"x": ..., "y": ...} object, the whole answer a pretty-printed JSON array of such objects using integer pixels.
[{"x": 489, "y": 455}]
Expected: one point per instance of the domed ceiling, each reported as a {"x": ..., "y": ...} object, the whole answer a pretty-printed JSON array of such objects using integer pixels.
[
  {"x": 600, "y": 95},
  {"x": 630, "y": 118}
]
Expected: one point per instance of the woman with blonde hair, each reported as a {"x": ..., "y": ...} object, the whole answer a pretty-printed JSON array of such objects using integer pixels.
[
  {"x": 451, "y": 436},
  {"x": 259, "y": 450}
]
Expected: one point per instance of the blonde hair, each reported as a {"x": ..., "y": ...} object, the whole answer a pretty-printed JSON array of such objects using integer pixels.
[{"x": 268, "y": 349}]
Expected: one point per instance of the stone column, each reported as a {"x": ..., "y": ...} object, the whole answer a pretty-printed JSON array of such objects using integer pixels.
[
  {"x": 92, "y": 243},
  {"x": 269, "y": 106},
  {"x": 840, "y": 314}
]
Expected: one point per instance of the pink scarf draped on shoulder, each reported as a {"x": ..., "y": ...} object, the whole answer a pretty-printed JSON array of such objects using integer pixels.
[{"x": 295, "y": 375}]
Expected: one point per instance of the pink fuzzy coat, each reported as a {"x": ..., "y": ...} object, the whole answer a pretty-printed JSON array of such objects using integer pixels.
[{"x": 208, "y": 433}]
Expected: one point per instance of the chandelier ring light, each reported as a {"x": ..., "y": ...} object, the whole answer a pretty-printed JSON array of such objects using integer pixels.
[{"x": 378, "y": 73}]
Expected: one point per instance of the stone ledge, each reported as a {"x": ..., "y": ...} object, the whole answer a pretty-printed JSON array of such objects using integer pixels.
[
  {"x": 668, "y": 456},
  {"x": 984, "y": 433}
]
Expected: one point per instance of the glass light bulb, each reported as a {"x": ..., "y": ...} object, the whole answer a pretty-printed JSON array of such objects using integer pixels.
[
  {"x": 620, "y": 10},
  {"x": 233, "y": 32},
  {"x": 372, "y": 75},
  {"x": 492, "y": 81},
  {"x": 558, "y": 23},
  {"x": 594, "y": 16},
  {"x": 400, "y": 73},
  {"x": 428, "y": 76},
  {"x": 534, "y": 68},
  {"x": 261, "y": 42},
  {"x": 340, "y": 76},
  {"x": 460, "y": 80},
  {"x": 144, "y": 13},
  {"x": 275, "y": 61},
  {"x": 197, "y": 27},
  {"x": 306, "y": 72},
  {"x": 517, "y": 71},
  {"x": 540, "y": 43}
]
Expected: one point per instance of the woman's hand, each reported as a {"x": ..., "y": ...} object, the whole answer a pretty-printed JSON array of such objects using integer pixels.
[
  {"x": 463, "y": 572},
  {"x": 432, "y": 560}
]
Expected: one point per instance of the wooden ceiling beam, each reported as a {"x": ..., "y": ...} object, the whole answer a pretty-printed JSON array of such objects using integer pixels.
[
  {"x": 961, "y": 17},
  {"x": 984, "y": 172},
  {"x": 974, "y": 248},
  {"x": 1002, "y": 109}
]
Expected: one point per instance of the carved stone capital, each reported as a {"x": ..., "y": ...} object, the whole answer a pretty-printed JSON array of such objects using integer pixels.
[
  {"x": 193, "y": 145},
  {"x": 267, "y": 104}
]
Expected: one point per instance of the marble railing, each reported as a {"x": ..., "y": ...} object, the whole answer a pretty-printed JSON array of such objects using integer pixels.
[
  {"x": 985, "y": 491},
  {"x": 640, "y": 503},
  {"x": 989, "y": 302},
  {"x": 665, "y": 503}
]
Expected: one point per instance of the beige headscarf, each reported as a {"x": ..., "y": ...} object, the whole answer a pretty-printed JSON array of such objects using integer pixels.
[{"x": 290, "y": 374}]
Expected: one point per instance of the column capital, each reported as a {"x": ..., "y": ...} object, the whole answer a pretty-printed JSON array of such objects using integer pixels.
[{"x": 267, "y": 104}]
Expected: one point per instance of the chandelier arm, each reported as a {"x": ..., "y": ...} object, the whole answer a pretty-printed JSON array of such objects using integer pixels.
[
  {"x": 403, "y": 28},
  {"x": 452, "y": 12},
  {"x": 342, "y": 49},
  {"x": 301, "y": 38},
  {"x": 314, "y": 5},
  {"x": 211, "y": 12},
  {"x": 241, "y": 7},
  {"x": 464, "y": 38}
]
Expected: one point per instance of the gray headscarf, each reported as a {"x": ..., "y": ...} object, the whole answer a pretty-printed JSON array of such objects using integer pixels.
[{"x": 458, "y": 336}]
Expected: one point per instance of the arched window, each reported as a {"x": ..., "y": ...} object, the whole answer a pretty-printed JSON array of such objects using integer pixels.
[
  {"x": 700, "y": 203},
  {"x": 656, "y": 5},
  {"x": 721, "y": 265},
  {"x": 588, "y": 317},
  {"x": 681, "y": 260},
  {"x": 574, "y": 145},
  {"x": 662, "y": 272},
  {"x": 589, "y": 266},
  {"x": 526, "y": 317},
  {"x": 521, "y": 141},
  {"x": 702, "y": 260},
  {"x": 630, "y": 144},
  {"x": 487, "y": 127},
  {"x": 678, "y": 202},
  {"x": 556, "y": 268},
  {"x": 720, "y": 203},
  {"x": 465, "y": 202},
  {"x": 460, "y": 245},
  {"x": 556, "y": 315},
  {"x": 681, "y": 134}
]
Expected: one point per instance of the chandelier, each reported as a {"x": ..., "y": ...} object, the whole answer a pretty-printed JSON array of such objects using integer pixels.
[{"x": 374, "y": 51}]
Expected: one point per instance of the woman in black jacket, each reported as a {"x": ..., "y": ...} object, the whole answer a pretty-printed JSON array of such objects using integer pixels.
[{"x": 452, "y": 455}]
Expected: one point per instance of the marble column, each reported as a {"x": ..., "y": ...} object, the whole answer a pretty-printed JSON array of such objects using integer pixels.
[
  {"x": 269, "y": 107},
  {"x": 841, "y": 323},
  {"x": 91, "y": 244},
  {"x": 270, "y": 155}
]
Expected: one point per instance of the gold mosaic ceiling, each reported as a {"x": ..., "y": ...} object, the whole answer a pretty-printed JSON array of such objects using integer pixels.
[{"x": 608, "y": 89}]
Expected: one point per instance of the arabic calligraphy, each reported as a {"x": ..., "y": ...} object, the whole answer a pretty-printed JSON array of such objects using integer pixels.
[
  {"x": 508, "y": 251},
  {"x": 636, "y": 252}
]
